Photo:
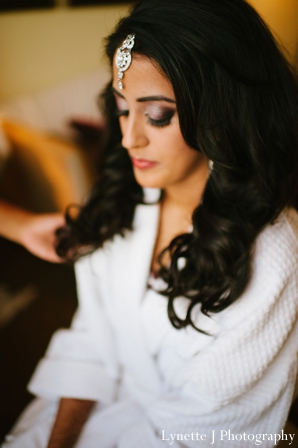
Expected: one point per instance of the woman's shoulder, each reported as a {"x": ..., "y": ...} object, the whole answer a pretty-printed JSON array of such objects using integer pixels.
[
  {"x": 275, "y": 256},
  {"x": 289, "y": 217},
  {"x": 278, "y": 243},
  {"x": 274, "y": 273}
]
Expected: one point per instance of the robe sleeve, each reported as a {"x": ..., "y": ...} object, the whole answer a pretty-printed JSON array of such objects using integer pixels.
[
  {"x": 244, "y": 381},
  {"x": 76, "y": 365}
]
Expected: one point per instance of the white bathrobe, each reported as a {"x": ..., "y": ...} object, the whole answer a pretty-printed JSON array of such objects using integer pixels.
[{"x": 157, "y": 386}]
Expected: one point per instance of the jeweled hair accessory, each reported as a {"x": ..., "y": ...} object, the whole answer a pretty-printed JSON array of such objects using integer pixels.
[{"x": 123, "y": 57}]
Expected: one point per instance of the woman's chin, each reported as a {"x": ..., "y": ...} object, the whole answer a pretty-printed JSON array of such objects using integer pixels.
[{"x": 147, "y": 181}]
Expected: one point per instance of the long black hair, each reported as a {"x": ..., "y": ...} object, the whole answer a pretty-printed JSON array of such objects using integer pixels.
[{"x": 237, "y": 102}]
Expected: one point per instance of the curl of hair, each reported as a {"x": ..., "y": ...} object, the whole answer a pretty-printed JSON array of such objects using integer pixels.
[{"x": 237, "y": 101}]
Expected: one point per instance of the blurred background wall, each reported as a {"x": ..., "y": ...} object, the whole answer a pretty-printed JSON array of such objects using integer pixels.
[
  {"x": 282, "y": 18},
  {"x": 41, "y": 48}
]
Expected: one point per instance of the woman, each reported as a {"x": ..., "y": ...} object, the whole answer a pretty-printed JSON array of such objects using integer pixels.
[{"x": 186, "y": 333}]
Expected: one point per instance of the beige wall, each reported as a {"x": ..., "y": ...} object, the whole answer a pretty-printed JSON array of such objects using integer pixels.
[
  {"x": 282, "y": 17},
  {"x": 40, "y": 49}
]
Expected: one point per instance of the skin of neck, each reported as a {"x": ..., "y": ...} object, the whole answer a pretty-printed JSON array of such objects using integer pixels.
[{"x": 187, "y": 196}]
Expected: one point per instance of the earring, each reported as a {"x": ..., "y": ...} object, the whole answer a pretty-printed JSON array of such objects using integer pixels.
[{"x": 210, "y": 166}]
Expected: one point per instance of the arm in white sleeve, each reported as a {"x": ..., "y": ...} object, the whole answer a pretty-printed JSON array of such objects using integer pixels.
[{"x": 80, "y": 362}]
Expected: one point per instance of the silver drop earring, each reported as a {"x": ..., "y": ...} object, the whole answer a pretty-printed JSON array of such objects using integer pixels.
[{"x": 210, "y": 166}]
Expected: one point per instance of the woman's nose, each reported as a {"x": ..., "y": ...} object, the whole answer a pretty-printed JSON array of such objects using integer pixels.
[{"x": 133, "y": 134}]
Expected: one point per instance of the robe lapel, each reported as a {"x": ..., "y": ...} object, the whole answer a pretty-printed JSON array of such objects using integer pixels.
[{"x": 128, "y": 271}]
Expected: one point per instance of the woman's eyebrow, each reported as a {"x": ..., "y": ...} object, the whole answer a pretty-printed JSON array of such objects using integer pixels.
[
  {"x": 156, "y": 98},
  {"x": 147, "y": 98}
]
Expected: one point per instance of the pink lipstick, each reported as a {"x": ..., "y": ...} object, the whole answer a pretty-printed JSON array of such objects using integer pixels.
[{"x": 142, "y": 164}]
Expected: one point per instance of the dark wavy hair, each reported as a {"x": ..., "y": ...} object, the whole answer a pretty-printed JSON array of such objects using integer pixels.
[{"x": 237, "y": 102}]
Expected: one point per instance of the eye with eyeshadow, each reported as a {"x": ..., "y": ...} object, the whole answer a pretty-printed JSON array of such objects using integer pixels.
[
  {"x": 121, "y": 113},
  {"x": 157, "y": 115},
  {"x": 162, "y": 119}
]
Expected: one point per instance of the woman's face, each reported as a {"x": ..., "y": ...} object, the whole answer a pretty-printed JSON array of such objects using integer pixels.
[{"x": 150, "y": 129}]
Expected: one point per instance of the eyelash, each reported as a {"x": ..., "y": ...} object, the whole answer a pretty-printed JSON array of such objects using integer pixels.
[{"x": 163, "y": 122}]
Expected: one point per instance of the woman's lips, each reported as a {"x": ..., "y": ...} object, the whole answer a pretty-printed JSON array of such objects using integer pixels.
[{"x": 142, "y": 164}]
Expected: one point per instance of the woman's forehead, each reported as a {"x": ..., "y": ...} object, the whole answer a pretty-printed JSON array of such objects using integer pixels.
[{"x": 143, "y": 77}]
